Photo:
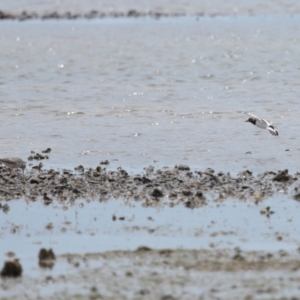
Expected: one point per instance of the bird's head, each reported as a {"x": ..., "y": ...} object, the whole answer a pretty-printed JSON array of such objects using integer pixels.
[{"x": 251, "y": 120}]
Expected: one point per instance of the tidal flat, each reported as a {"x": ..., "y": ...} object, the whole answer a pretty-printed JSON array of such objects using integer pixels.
[
  {"x": 166, "y": 233},
  {"x": 163, "y": 274}
]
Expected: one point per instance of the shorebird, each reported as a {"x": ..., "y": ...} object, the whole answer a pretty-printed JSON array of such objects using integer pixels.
[
  {"x": 14, "y": 162},
  {"x": 262, "y": 123}
]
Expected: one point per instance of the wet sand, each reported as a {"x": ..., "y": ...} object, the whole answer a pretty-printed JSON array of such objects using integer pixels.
[{"x": 164, "y": 274}]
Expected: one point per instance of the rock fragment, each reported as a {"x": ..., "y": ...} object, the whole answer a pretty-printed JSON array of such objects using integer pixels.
[{"x": 12, "y": 268}]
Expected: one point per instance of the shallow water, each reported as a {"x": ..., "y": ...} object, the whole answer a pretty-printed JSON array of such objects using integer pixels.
[
  {"x": 89, "y": 227},
  {"x": 144, "y": 91}
]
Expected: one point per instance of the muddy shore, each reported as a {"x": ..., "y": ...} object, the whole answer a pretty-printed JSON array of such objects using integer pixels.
[
  {"x": 164, "y": 274},
  {"x": 177, "y": 185},
  {"x": 207, "y": 272}
]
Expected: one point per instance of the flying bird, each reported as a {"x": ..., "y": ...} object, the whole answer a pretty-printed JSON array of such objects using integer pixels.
[{"x": 262, "y": 123}]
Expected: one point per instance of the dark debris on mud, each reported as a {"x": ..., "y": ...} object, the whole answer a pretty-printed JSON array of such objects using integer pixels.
[
  {"x": 178, "y": 185},
  {"x": 94, "y": 14},
  {"x": 11, "y": 268}
]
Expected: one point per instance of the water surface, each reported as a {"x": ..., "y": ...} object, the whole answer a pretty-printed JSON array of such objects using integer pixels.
[{"x": 144, "y": 91}]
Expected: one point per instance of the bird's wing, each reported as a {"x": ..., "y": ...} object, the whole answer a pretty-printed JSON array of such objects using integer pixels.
[
  {"x": 249, "y": 114},
  {"x": 244, "y": 112},
  {"x": 253, "y": 116},
  {"x": 272, "y": 130},
  {"x": 267, "y": 122},
  {"x": 264, "y": 121}
]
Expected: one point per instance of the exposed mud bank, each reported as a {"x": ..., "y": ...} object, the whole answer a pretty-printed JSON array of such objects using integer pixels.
[{"x": 178, "y": 185}]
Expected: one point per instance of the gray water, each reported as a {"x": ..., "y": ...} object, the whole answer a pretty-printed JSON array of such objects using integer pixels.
[{"x": 143, "y": 91}]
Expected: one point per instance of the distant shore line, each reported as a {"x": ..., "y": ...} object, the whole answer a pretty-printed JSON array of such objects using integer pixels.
[{"x": 95, "y": 14}]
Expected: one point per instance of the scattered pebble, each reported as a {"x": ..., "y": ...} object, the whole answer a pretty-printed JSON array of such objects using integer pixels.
[
  {"x": 48, "y": 150},
  {"x": 38, "y": 156},
  {"x": 157, "y": 193},
  {"x": 178, "y": 185},
  {"x": 12, "y": 268},
  {"x": 282, "y": 176},
  {"x": 46, "y": 258}
]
